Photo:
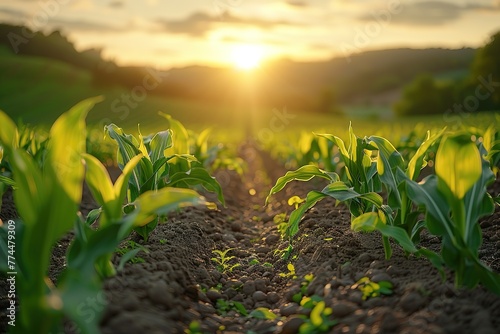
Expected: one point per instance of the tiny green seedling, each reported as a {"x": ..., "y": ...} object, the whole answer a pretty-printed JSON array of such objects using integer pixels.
[
  {"x": 290, "y": 273},
  {"x": 224, "y": 306},
  {"x": 194, "y": 328},
  {"x": 253, "y": 262},
  {"x": 371, "y": 289},
  {"x": 285, "y": 253},
  {"x": 222, "y": 261},
  {"x": 319, "y": 320},
  {"x": 129, "y": 254},
  {"x": 262, "y": 313},
  {"x": 303, "y": 288},
  {"x": 281, "y": 224}
]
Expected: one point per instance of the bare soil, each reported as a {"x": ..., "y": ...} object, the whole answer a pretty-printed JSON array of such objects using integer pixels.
[{"x": 178, "y": 283}]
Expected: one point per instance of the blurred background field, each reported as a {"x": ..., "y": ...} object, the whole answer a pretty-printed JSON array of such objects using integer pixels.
[{"x": 240, "y": 86}]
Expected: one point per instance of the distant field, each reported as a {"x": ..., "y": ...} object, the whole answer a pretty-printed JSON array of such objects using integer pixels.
[{"x": 38, "y": 90}]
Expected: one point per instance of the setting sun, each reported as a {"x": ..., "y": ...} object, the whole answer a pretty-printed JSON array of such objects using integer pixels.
[{"x": 247, "y": 57}]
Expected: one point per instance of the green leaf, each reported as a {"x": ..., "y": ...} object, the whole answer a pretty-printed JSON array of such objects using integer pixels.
[
  {"x": 9, "y": 136},
  {"x": 128, "y": 148},
  {"x": 159, "y": 145},
  {"x": 99, "y": 181},
  {"x": 478, "y": 203},
  {"x": 180, "y": 136},
  {"x": 417, "y": 161},
  {"x": 162, "y": 202},
  {"x": 372, "y": 221},
  {"x": 388, "y": 160},
  {"x": 120, "y": 187},
  {"x": 427, "y": 195},
  {"x": 240, "y": 308},
  {"x": 127, "y": 257},
  {"x": 263, "y": 313},
  {"x": 304, "y": 173},
  {"x": 367, "y": 222},
  {"x": 93, "y": 216},
  {"x": 458, "y": 164},
  {"x": 8, "y": 181},
  {"x": 198, "y": 176},
  {"x": 293, "y": 223},
  {"x": 316, "y": 314},
  {"x": 340, "y": 191},
  {"x": 67, "y": 143}
]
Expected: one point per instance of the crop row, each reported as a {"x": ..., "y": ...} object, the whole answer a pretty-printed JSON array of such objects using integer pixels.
[
  {"x": 385, "y": 192},
  {"x": 47, "y": 175}
]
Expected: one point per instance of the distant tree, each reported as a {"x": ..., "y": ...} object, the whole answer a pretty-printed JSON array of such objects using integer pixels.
[
  {"x": 425, "y": 96},
  {"x": 486, "y": 67}
]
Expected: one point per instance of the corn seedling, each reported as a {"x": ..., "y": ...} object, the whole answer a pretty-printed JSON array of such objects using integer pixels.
[
  {"x": 165, "y": 162},
  {"x": 47, "y": 199},
  {"x": 303, "y": 288},
  {"x": 222, "y": 261},
  {"x": 453, "y": 199},
  {"x": 319, "y": 320},
  {"x": 371, "y": 289},
  {"x": 194, "y": 328},
  {"x": 262, "y": 313},
  {"x": 291, "y": 271},
  {"x": 224, "y": 306},
  {"x": 129, "y": 253}
]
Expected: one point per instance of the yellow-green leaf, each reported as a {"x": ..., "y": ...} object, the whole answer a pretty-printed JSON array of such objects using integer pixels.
[
  {"x": 8, "y": 131},
  {"x": 67, "y": 143},
  {"x": 316, "y": 313},
  {"x": 458, "y": 164}
]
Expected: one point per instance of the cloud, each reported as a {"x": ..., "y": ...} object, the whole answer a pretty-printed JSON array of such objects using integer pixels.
[
  {"x": 13, "y": 12},
  {"x": 432, "y": 13},
  {"x": 199, "y": 23},
  {"x": 267, "y": 41},
  {"x": 87, "y": 26},
  {"x": 116, "y": 4},
  {"x": 297, "y": 3}
]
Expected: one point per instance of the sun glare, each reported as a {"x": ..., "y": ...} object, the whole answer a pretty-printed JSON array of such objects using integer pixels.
[{"x": 247, "y": 57}]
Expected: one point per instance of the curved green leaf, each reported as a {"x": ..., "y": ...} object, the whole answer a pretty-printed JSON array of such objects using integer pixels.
[
  {"x": 304, "y": 173},
  {"x": 417, "y": 161},
  {"x": 161, "y": 202},
  {"x": 312, "y": 198},
  {"x": 198, "y": 176}
]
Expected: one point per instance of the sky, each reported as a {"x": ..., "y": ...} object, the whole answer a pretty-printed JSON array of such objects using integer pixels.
[{"x": 167, "y": 34}]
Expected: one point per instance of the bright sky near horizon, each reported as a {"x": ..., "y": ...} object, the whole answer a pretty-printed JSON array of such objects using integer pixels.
[{"x": 220, "y": 32}]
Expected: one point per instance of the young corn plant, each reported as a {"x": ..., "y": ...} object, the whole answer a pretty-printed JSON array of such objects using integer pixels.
[
  {"x": 165, "y": 162},
  {"x": 47, "y": 199},
  {"x": 28, "y": 140},
  {"x": 400, "y": 213},
  {"x": 131, "y": 216},
  {"x": 370, "y": 165},
  {"x": 454, "y": 199},
  {"x": 358, "y": 187}
]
